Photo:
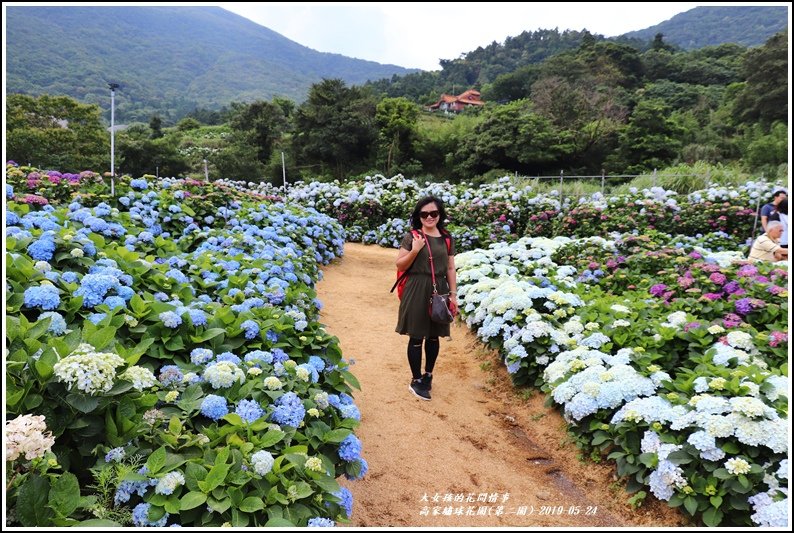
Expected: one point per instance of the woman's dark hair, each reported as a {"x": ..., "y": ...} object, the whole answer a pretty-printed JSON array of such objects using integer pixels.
[
  {"x": 782, "y": 207},
  {"x": 778, "y": 193},
  {"x": 416, "y": 222}
]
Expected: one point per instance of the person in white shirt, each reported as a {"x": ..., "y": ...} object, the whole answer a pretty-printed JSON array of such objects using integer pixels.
[{"x": 766, "y": 247}]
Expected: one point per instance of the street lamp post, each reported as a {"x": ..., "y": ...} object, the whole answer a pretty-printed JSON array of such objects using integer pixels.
[
  {"x": 206, "y": 171},
  {"x": 113, "y": 87}
]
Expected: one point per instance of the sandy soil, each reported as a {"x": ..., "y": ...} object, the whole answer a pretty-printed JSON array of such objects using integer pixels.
[{"x": 480, "y": 453}]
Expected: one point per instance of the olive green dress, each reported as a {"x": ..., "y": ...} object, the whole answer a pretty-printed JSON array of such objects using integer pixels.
[{"x": 414, "y": 318}]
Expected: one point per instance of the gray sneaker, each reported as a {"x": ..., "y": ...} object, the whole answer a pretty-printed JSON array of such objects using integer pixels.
[
  {"x": 427, "y": 381},
  {"x": 419, "y": 390}
]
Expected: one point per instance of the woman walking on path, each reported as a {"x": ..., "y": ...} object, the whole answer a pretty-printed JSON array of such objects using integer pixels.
[{"x": 427, "y": 221}]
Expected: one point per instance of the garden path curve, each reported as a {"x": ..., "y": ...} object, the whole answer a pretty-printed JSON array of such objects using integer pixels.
[{"x": 477, "y": 435}]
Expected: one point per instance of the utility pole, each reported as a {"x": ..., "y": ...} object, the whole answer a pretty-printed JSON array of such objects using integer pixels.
[
  {"x": 113, "y": 87},
  {"x": 283, "y": 171}
]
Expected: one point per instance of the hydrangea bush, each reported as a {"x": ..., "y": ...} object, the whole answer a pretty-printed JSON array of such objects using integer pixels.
[{"x": 167, "y": 344}]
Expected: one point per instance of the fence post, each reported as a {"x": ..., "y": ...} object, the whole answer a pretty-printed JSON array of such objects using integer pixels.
[
  {"x": 708, "y": 178},
  {"x": 654, "y": 177},
  {"x": 561, "y": 173},
  {"x": 602, "y": 182}
]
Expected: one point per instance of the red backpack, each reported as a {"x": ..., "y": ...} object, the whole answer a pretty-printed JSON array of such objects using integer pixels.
[{"x": 402, "y": 275}]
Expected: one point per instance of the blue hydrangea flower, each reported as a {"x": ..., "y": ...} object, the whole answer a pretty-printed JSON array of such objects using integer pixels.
[
  {"x": 69, "y": 277},
  {"x": 177, "y": 276},
  {"x": 214, "y": 407},
  {"x": 251, "y": 329},
  {"x": 139, "y": 184},
  {"x": 96, "y": 318},
  {"x": 350, "y": 411},
  {"x": 171, "y": 375},
  {"x": 258, "y": 356},
  {"x": 229, "y": 357},
  {"x": 170, "y": 319},
  {"x": 115, "y": 301},
  {"x": 317, "y": 363},
  {"x": 57, "y": 322},
  {"x": 115, "y": 455},
  {"x": 140, "y": 516},
  {"x": 350, "y": 448},
  {"x": 321, "y": 522},
  {"x": 289, "y": 410},
  {"x": 249, "y": 410},
  {"x": 42, "y": 249},
  {"x": 279, "y": 355},
  {"x": 197, "y": 317},
  {"x": 346, "y": 496},
  {"x": 199, "y": 356}
]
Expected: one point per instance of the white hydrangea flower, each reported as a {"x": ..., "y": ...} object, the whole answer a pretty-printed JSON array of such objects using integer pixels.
[
  {"x": 140, "y": 377},
  {"x": 737, "y": 466},
  {"x": 27, "y": 435},
  {"x": 90, "y": 371}
]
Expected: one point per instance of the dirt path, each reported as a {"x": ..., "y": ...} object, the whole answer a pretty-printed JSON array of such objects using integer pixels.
[{"x": 478, "y": 439}]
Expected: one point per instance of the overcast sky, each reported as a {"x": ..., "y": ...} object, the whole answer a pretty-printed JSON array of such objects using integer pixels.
[{"x": 419, "y": 34}]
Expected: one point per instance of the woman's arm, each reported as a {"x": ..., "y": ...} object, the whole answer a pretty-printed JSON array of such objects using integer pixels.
[
  {"x": 405, "y": 258},
  {"x": 452, "y": 279}
]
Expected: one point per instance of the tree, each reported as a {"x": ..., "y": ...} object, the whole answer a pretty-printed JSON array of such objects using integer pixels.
[
  {"x": 510, "y": 137},
  {"x": 262, "y": 125},
  {"x": 156, "y": 125},
  {"x": 651, "y": 139},
  {"x": 55, "y": 132},
  {"x": 587, "y": 115},
  {"x": 396, "y": 118},
  {"x": 765, "y": 96},
  {"x": 335, "y": 126},
  {"x": 139, "y": 154},
  {"x": 659, "y": 44}
]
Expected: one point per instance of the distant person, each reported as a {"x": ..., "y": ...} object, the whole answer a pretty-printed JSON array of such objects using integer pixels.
[
  {"x": 767, "y": 209},
  {"x": 766, "y": 247},
  {"x": 427, "y": 221}
]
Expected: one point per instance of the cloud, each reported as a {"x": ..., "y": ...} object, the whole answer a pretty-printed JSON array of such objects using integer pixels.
[{"x": 419, "y": 34}]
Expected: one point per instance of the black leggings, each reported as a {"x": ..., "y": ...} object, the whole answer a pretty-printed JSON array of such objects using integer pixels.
[{"x": 415, "y": 355}]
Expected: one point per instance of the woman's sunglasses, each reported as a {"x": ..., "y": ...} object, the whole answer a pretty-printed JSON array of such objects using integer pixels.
[{"x": 428, "y": 214}]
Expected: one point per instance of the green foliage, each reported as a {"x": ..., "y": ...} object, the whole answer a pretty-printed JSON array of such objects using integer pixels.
[
  {"x": 138, "y": 153},
  {"x": 766, "y": 151},
  {"x": 55, "y": 132},
  {"x": 335, "y": 128},
  {"x": 260, "y": 124},
  {"x": 765, "y": 95},
  {"x": 187, "y": 124},
  {"x": 512, "y": 137},
  {"x": 396, "y": 119},
  {"x": 651, "y": 139}
]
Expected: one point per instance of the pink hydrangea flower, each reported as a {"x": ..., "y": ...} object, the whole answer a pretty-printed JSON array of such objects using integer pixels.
[{"x": 776, "y": 338}]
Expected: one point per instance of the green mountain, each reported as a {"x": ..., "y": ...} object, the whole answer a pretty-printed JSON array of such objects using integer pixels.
[
  {"x": 712, "y": 26},
  {"x": 168, "y": 60}
]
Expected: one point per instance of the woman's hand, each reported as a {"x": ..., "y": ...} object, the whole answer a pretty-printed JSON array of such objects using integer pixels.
[
  {"x": 418, "y": 243},
  {"x": 453, "y": 304}
]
